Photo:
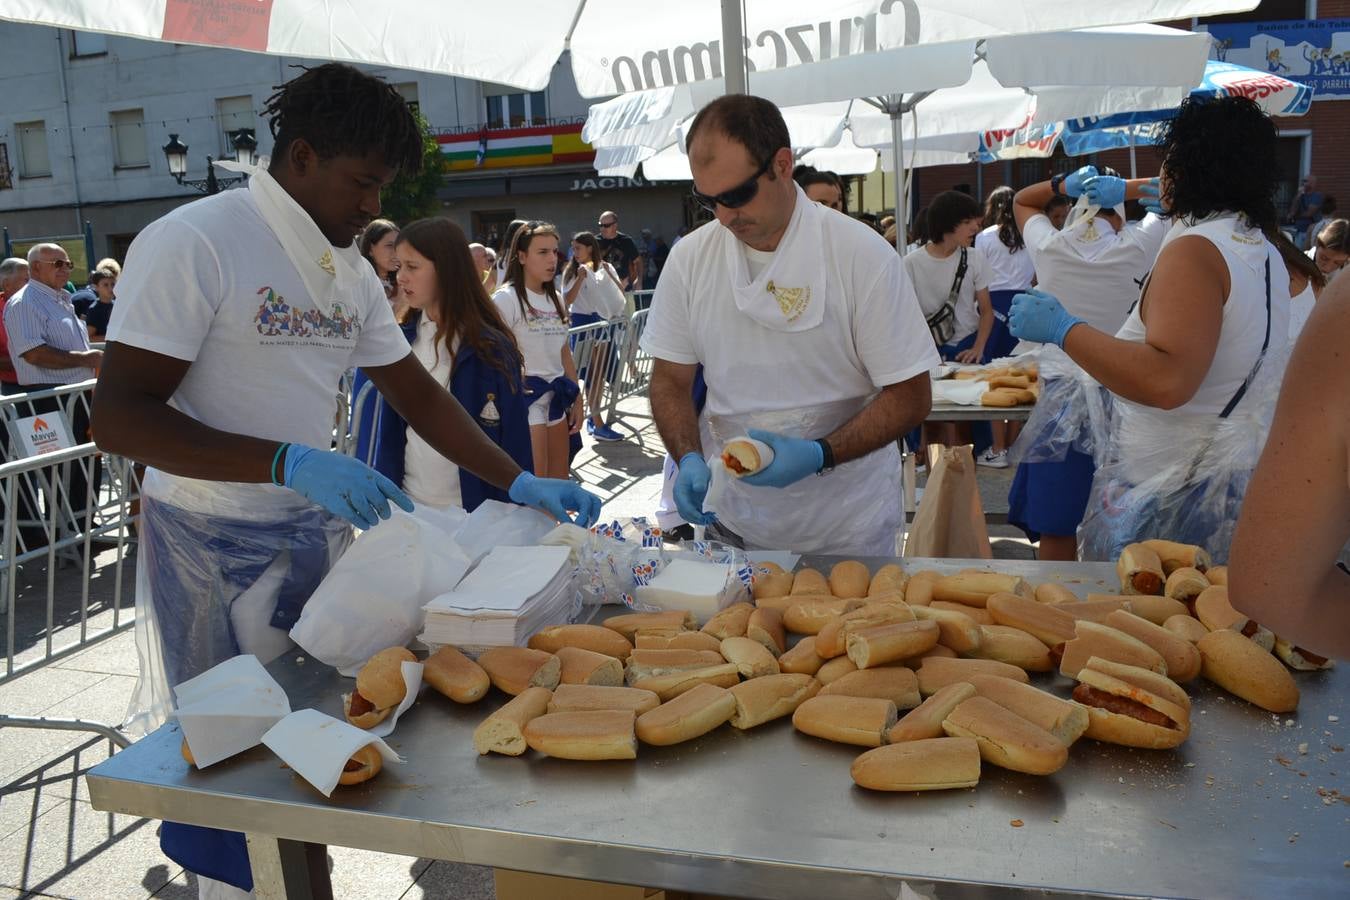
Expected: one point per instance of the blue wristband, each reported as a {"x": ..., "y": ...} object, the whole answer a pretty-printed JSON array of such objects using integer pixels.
[{"x": 276, "y": 457}]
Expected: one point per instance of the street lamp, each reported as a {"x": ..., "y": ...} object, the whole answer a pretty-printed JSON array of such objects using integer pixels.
[{"x": 176, "y": 152}]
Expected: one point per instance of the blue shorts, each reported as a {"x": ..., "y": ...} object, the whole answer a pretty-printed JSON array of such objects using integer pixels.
[
  {"x": 1001, "y": 342},
  {"x": 1051, "y": 497}
]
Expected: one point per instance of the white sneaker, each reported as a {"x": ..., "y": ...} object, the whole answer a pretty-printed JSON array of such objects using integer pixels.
[{"x": 993, "y": 460}]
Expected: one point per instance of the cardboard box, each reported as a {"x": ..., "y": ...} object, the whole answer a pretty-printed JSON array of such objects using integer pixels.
[{"x": 512, "y": 885}]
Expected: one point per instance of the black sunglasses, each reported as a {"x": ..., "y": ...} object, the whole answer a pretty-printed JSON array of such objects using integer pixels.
[{"x": 735, "y": 198}]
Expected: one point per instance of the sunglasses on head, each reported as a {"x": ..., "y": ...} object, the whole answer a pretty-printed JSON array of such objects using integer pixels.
[{"x": 735, "y": 198}]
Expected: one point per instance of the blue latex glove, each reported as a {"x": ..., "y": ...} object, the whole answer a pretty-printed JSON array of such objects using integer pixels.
[
  {"x": 556, "y": 496},
  {"x": 691, "y": 487},
  {"x": 1038, "y": 316},
  {"x": 1105, "y": 190},
  {"x": 1150, "y": 197},
  {"x": 793, "y": 460},
  {"x": 1073, "y": 185},
  {"x": 344, "y": 486}
]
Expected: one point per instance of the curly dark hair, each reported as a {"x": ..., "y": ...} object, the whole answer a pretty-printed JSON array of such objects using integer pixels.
[
  {"x": 1219, "y": 156},
  {"x": 341, "y": 111}
]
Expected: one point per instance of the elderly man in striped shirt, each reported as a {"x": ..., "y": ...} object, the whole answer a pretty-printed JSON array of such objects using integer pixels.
[{"x": 50, "y": 347}]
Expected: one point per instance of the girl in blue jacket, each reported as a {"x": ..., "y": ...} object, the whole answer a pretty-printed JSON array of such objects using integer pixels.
[{"x": 458, "y": 334}]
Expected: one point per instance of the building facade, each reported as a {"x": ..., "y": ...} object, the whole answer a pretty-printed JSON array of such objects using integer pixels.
[{"x": 86, "y": 117}]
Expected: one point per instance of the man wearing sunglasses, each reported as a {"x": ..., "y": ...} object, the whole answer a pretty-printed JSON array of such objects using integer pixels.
[
  {"x": 811, "y": 341},
  {"x": 620, "y": 251}
]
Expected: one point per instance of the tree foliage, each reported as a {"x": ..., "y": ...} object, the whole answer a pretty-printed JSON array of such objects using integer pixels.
[{"x": 411, "y": 197}]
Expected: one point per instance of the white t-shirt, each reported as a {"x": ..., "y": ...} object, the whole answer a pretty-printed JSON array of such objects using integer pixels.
[
  {"x": 540, "y": 334},
  {"x": 428, "y": 477},
  {"x": 1300, "y": 308},
  {"x": 209, "y": 283},
  {"x": 1101, "y": 290},
  {"x": 600, "y": 293},
  {"x": 873, "y": 333},
  {"x": 933, "y": 277},
  {"x": 1007, "y": 271}
]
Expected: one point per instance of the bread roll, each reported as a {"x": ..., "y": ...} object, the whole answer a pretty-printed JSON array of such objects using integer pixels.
[
  {"x": 1242, "y": 668},
  {"x": 1140, "y": 570},
  {"x": 585, "y": 697},
  {"x": 594, "y": 638},
  {"x": 503, "y": 731},
  {"x": 919, "y": 588},
  {"x": 935, "y": 764},
  {"x": 882, "y": 644},
  {"x": 770, "y": 582},
  {"x": 835, "y": 668},
  {"x": 578, "y": 666},
  {"x": 692, "y": 714},
  {"x": 1048, "y": 624},
  {"x": 655, "y": 663},
  {"x": 1065, "y": 720},
  {"x": 1013, "y": 646},
  {"x": 750, "y": 657},
  {"x": 831, "y": 640},
  {"x": 1133, "y": 707},
  {"x": 1095, "y": 608},
  {"x": 849, "y": 578},
  {"x": 894, "y": 683},
  {"x": 1217, "y": 575},
  {"x": 1177, "y": 556},
  {"x": 606, "y": 734},
  {"x": 1005, "y": 738},
  {"x": 1183, "y": 660},
  {"x": 978, "y": 615},
  {"x": 381, "y": 679},
  {"x": 1299, "y": 659},
  {"x": 670, "y": 686},
  {"x": 1020, "y": 382},
  {"x": 809, "y": 616},
  {"x": 360, "y": 713},
  {"x": 665, "y": 639},
  {"x": 743, "y": 457},
  {"x": 1108, "y": 643},
  {"x": 773, "y": 696},
  {"x": 455, "y": 675},
  {"x": 936, "y": 673},
  {"x": 187, "y": 753},
  {"x": 1156, "y": 609},
  {"x": 364, "y": 765},
  {"x": 889, "y": 579},
  {"x": 629, "y": 623},
  {"x": 1185, "y": 584},
  {"x": 925, "y": 720},
  {"x": 730, "y": 622},
  {"x": 802, "y": 658},
  {"x": 974, "y": 588},
  {"x": 941, "y": 650},
  {"x": 513, "y": 669},
  {"x": 1186, "y": 627},
  {"x": 1215, "y": 612},
  {"x": 1052, "y": 592},
  {"x": 863, "y": 721},
  {"x": 766, "y": 627},
  {"x": 956, "y": 630},
  {"x": 1000, "y": 398},
  {"x": 810, "y": 581}
]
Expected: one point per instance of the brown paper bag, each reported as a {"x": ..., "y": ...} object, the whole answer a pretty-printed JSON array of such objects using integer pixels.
[{"x": 950, "y": 520}]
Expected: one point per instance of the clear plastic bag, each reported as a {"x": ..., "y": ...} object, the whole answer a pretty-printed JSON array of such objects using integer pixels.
[
  {"x": 612, "y": 557},
  {"x": 1179, "y": 477},
  {"x": 497, "y": 524},
  {"x": 1073, "y": 412}
]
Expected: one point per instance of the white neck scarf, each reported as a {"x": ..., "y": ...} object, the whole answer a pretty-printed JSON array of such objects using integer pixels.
[
  {"x": 789, "y": 295},
  {"x": 1088, "y": 235},
  {"x": 331, "y": 274}
]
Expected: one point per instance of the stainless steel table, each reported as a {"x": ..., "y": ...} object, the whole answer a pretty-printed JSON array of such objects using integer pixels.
[
  {"x": 946, "y": 411},
  {"x": 1235, "y": 812}
]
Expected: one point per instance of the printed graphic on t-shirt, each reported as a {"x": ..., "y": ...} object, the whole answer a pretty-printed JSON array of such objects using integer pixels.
[{"x": 277, "y": 318}]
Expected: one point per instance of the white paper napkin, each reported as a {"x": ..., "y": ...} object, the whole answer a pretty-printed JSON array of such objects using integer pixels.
[
  {"x": 317, "y": 746},
  {"x": 226, "y": 709}
]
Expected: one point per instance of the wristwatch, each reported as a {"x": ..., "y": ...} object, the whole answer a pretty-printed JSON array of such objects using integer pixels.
[
  {"x": 828, "y": 456},
  {"x": 1056, "y": 182}
]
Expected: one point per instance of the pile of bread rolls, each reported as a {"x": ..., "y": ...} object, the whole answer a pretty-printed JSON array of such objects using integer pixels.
[{"x": 1015, "y": 385}]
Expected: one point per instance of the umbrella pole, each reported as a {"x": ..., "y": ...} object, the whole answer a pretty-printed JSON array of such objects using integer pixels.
[
  {"x": 1133, "y": 173},
  {"x": 733, "y": 50},
  {"x": 898, "y": 148}
]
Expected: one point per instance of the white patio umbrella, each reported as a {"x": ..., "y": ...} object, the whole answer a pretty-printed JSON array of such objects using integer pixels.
[{"x": 615, "y": 46}]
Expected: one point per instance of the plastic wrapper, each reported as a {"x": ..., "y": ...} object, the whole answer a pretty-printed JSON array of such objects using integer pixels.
[
  {"x": 497, "y": 524},
  {"x": 1179, "y": 477},
  {"x": 740, "y": 574},
  {"x": 373, "y": 597},
  {"x": 223, "y": 569},
  {"x": 1073, "y": 412},
  {"x": 611, "y": 558}
]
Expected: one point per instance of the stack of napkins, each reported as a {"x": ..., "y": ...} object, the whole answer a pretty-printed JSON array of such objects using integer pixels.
[
  {"x": 514, "y": 592},
  {"x": 695, "y": 586}
]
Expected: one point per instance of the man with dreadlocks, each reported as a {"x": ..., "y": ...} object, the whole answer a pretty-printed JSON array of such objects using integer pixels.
[{"x": 237, "y": 316}]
